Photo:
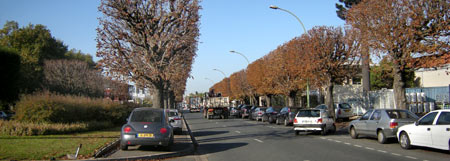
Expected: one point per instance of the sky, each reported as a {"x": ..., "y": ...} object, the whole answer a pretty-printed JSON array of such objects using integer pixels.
[{"x": 249, "y": 27}]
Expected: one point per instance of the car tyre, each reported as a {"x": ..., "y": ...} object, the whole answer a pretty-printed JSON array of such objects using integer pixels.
[
  {"x": 353, "y": 133},
  {"x": 323, "y": 131},
  {"x": 277, "y": 121},
  {"x": 123, "y": 147},
  {"x": 405, "y": 143},
  {"x": 270, "y": 120},
  {"x": 381, "y": 137},
  {"x": 297, "y": 133},
  {"x": 286, "y": 122}
]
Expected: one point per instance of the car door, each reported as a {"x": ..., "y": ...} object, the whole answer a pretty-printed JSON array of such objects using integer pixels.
[
  {"x": 440, "y": 133},
  {"x": 360, "y": 125},
  {"x": 372, "y": 123},
  {"x": 421, "y": 134}
]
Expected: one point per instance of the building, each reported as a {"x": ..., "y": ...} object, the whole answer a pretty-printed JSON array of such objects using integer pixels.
[
  {"x": 139, "y": 95},
  {"x": 434, "y": 77}
]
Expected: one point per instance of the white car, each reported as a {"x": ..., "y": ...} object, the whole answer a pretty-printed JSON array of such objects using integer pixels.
[
  {"x": 315, "y": 120},
  {"x": 176, "y": 123},
  {"x": 432, "y": 130}
]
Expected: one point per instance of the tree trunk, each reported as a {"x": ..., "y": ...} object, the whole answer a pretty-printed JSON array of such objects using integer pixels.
[
  {"x": 158, "y": 96},
  {"x": 399, "y": 86},
  {"x": 171, "y": 100},
  {"x": 291, "y": 99},
  {"x": 268, "y": 100},
  {"x": 366, "y": 77},
  {"x": 329, "y": 98}
]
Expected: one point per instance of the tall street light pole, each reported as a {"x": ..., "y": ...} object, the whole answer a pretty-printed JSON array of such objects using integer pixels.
[
  {"x": 304, "y": 29},
  {"x": 232, "y": 51},
  {"x": 224, "y": 75}
]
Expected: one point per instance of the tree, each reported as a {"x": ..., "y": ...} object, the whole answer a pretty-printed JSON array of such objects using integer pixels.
[
  {"x": 382, "y": 76},
  {"x": 342, "y": 9},
  {"x": 143, "y": 40},
  {"x": 10, "y": 76},
  {"x": 34, "y": 44},
  {"x": 333, "y": 55},
  {"x": 73, "y": 77},
  {"x": 402, "y": 30}
]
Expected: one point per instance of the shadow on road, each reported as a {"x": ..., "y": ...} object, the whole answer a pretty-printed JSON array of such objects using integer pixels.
[
  {"x": 207, "y": 133},
  {"x": 217, "y": 147}
]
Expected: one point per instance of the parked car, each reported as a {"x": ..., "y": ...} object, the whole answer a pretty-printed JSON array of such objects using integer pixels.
[
  {"x": 147, "y": 126},
  {"x": 342, "y": 110},
  {"x": 3, "y": 116},
  {"x": 270, "y": 115},
  {"x": 432, "y": 130},
  {"x": 235, "y": 111},
  {"x": 258, "y": 113},
  {"x": 286, "y": 115},
  {"x": 195, "y": 109},
  {"x": 175, "y": 121},
  {"x": 245, "y": 111},
  {"x": 315, "y": 120},
  {"x": 250, "y": 112},
  {"x": 381, "y": 123}
]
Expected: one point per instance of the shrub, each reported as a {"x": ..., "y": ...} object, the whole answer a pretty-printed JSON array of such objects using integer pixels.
[
  {"x": 16, "y": 128},
  {"x": 52, "y": 108}
]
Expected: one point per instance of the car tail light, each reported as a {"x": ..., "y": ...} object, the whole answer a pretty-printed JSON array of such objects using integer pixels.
[
  {"x": 163, "y": 130},
  {"x": 393, "y": 125},
  {"x": 295, "y": 120},
  {"x": 127, "y": 129},
  {"x": 339, "y": 111},
  {"x": 176, "y": 118},
  {"x": 319, "y": 120},
  {"x": 210, "y": 110},
  {"x": 259, "y": 113}
]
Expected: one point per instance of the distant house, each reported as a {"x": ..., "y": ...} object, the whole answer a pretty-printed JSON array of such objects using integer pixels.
[
  {"x": 434, "y": 77},
  {"x": 138, "y": 95}
]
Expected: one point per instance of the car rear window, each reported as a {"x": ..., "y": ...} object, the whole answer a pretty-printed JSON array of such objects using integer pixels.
[
  {"x": 146, "y": 116},
  {"x": 308, "y": 113},
  {"x": 345, "y": 106},
  {"x": 173, "y": 114},
  {"x": 400, "y": 114}
]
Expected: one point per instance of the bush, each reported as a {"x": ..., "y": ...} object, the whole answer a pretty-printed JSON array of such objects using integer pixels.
[
  {"x": 52, "y": 108},
  {"x": 16, "y": 128}
]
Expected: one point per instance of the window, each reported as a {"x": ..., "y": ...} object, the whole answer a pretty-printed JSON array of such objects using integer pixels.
[
  {"x": 444, "y": 119},
  {"x": 428, "y": 119},
  {"x": 376, "y": 115},
  {"x": 366, "y": 115},
  {"x": 146, "y": 116},
  {"x": 309, "y": 113},
  {"x": 401, "y": 114},
  {"x": 173, "y": 114},
  {"x": 345, "y": 106}
]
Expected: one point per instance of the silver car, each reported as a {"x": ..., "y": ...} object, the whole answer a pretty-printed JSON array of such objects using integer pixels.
[
  {"x": 175, "y": 121},
  {"x": 342, "y": 110},
  {"x": 381, "y": 123},
  {"x": 147, "y": 126}
]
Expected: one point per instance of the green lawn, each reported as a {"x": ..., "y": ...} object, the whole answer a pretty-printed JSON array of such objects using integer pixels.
[{"x": 54, "y": 146}]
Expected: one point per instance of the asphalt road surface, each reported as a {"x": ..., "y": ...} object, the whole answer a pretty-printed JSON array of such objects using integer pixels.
[{"x": 238, "y": 139}]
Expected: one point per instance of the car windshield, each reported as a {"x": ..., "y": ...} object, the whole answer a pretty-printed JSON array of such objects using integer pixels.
[
  {"x": 345, "y": 106},
  {"x": 146, "y": 116},
  {"x": 173, "y": 114},
  {"x": 401, "y": 114},
  {"x": 308, "y": 113}
]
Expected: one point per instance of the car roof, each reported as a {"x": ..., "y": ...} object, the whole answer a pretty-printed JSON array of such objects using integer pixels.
[
  {"x": 148, "y": 109},
  {"x": 173, "y": 110}
]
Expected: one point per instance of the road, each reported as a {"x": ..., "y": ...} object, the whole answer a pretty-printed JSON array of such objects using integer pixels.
[{"x": 237, "y": 139}]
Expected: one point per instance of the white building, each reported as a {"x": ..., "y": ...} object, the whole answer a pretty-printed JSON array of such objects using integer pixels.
[
  {"x": 434, "y": 77},
  {"x": 138, "y": 95}
]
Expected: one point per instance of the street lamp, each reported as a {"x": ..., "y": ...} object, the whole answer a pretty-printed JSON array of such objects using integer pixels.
[
  {"x": 304, "y": 29},
  {"x": 210, "y": 80},
  {"x": 220, "y": 72},
  {"x": 232, "y": 51}
]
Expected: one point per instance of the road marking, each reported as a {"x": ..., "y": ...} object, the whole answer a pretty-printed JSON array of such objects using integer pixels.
[
  {"x": 224, "y": 125},
  {"x": 330, "y": 139},
  {"x": 410, "y": 157},
  {"x": 347, "y": 144},
  {"x": 359, "y": 146},
  {"x": 396, "y": 154},
  {"x": 258, "y": 140},
  {"x": 337, "y": 141},
  {"x": 370, "y": 148},
  {"x": 237, "y": 132},
  {"x": 323, "y": 138},
  {"x": 382, "y": 151}
]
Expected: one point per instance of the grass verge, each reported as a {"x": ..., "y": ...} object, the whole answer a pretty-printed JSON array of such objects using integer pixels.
[{"x": 55, "y": 146}]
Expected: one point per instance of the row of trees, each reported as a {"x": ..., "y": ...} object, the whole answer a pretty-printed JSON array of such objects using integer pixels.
[
  {"x": 152, "y": 43},
  {"x": 33, "y": 60},
  {"x": 398, "y": 31}
]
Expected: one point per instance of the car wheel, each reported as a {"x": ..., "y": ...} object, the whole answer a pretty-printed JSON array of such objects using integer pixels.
[
  {"x": 333, "y": 129},
  {"x": 277, "y": 121},
  {"x": 353, "y": 133},
  {"x": 297, "y": 133},
  {"x": 123, "y": 147},
  {"x": 270, "y": 120},
  {"x": 381, "y": 137},
  {"x": 286, "y": 122},
  {"x": 323, "y": 131},
  {"x": 405, "y": 143}
]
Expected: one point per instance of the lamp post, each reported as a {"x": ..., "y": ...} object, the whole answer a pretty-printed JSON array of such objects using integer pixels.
[
  {"x": 232, "y": 51},
  {"x": 224, "y": 75},
  {"x": 304, "y": 29},
  {"x": 210, "y": 80}
]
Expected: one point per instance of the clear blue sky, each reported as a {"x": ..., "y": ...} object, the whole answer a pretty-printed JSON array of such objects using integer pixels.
[{"x": 247, "y": 26}]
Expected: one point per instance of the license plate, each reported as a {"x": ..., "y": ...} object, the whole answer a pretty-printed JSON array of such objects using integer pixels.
[
  {"x": 306, "y": 122},
  {"x": 145, "y": 135}
]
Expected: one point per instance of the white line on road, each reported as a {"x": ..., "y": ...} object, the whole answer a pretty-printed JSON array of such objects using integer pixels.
[
  {"x": 337, "y": 141},
  {"x": 258, "y": 140},
  {"x": 396, "y": 154},
  {"x": 410, "y": 157},
  {"x": 359, "y": 146},
  {"x": 347, "y": 144},
  {"x": 237, "y": 132},
  {"x": 370, "y": 148},
  {"x": 382, "y": 151},
  {"x": 323, "y": 138}
]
